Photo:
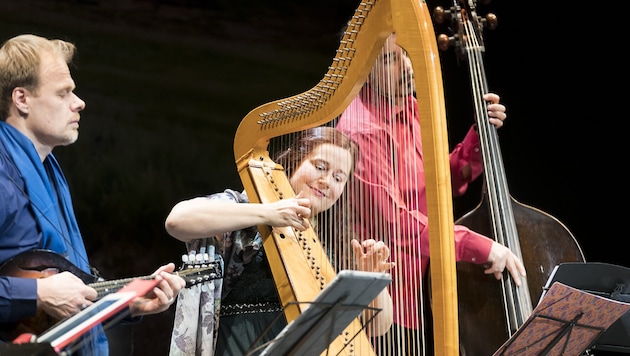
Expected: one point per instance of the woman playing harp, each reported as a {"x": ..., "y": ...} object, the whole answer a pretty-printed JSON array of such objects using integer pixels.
[
  {"x": 318, "y": 163},
  {"x": 388, "y": 192},
  {"x": 295, "y": 258}
]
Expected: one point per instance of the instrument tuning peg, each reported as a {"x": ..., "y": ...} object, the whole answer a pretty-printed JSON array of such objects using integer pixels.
[
  {"x": 490, "y": 21},
  {"x": 440, "y": 15},
  {"x": 444, "y": 42}
]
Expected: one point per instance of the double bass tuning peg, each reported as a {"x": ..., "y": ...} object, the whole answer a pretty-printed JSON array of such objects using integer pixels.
[
  {"x": 444, "y": 42},
  {"x": 490, "y": 21},
  {"x": 440, "y": 15},
  {"x": 458, "y": 16}
]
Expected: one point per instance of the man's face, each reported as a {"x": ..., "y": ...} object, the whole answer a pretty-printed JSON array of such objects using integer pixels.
[
  {"x": 392, "y": 74},
  {"x": 53, "y": 110}
]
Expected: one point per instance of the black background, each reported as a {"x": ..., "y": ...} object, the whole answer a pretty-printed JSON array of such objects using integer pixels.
[{"x": 167, "y": 82}]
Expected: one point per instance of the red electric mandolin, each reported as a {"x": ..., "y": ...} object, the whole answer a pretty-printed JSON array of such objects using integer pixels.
[{"x": 44, "y": 263}]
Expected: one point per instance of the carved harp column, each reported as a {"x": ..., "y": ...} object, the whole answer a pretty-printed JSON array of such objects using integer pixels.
[{"x": 296, "y": 258}]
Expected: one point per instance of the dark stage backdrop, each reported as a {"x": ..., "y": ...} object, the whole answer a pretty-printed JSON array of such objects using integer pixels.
[{"x": 167, "y": 82}]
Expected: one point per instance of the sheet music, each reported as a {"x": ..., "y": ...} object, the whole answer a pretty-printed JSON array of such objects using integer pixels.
[{"x": 565, "y": 322}]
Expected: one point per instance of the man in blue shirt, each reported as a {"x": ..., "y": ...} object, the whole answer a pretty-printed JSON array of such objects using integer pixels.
[{"x": 39, "y": 111}]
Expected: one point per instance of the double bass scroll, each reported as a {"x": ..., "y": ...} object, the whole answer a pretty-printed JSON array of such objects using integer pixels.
[{"x": 297, "y": 259}]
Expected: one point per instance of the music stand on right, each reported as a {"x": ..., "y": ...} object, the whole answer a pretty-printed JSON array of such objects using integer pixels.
[
  {"x": 604, "y": 280},
  {"x": 567, "y": 321}
]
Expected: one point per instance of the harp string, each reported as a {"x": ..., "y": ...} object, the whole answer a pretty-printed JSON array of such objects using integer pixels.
[
  {"x": 298, "y": 278},
  {"x": 387, "y": 92},
  {"x": 331, "y": 226}
]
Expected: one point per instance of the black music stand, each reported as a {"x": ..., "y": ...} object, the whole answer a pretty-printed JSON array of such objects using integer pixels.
[
  {"x": 565, "y": 322},
  {"x": 604, "y": 280},
  {"x": 336, "y": 306}
]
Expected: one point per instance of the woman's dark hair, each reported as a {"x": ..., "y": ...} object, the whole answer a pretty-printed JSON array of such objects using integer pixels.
[
  {"x": 332, "y": 225},
  {"x": 305, "y": 141}
]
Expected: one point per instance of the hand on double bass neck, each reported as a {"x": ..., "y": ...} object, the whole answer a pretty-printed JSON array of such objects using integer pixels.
[
  {"x": 501, "y": 258},
  {"x": 496, "y": 111},
  {"x": 496, "y": 117}
]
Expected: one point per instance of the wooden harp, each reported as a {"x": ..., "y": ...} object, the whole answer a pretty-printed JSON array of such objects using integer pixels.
[{"x": 298, "y": 261}]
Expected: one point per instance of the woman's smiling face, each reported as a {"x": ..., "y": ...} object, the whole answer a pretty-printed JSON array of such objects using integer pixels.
[{"x": 322, "y": 176}]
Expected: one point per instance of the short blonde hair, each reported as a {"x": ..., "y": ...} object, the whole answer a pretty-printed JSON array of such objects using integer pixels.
[{"x": 20, "y": 59}]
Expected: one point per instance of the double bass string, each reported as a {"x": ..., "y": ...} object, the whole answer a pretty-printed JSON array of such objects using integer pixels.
[
  {"x": 517, "y": 301},
  {"x": 542, "y": 242}
]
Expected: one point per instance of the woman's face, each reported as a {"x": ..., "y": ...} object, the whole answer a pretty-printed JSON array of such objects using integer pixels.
[{"x": 322, "y": 176}]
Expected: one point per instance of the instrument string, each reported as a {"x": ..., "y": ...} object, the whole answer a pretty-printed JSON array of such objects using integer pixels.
[
  {"x": 381, "y": 217},
  {"x": 517, "y": 300},
  {"x": 383, "y": 210}
]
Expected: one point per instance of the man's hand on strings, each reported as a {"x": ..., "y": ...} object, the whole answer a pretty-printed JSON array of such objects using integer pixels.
[
  {"x": 496, "y": 111},
  {"x": 162, "y": 296},
  {"x": 501, "y": 258},
  {"x": 63, "y": 294}
]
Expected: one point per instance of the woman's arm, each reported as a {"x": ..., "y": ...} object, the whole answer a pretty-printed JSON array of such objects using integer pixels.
[{"x": 204, "y": 217}]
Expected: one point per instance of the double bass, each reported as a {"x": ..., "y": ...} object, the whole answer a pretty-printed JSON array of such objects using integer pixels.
[{"x": 490, "y": 312}]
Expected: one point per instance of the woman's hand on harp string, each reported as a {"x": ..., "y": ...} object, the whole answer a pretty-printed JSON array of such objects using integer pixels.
[
  {"x": 496, "y": 111},
  {"x": 501, "y": 258},
  {"x": 372, "y": 256},
  {"x": 200, "y": 217},
  {"x": 292, "y": 212}
]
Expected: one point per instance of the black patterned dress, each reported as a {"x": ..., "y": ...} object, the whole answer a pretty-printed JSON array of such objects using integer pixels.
[{"x": 248, "y": 313}]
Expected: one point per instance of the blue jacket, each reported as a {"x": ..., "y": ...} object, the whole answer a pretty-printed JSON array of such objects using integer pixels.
[{"x": 20, "y": 231}]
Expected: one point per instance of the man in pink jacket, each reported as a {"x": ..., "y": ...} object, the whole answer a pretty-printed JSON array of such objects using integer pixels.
[{"x": 389, "y": 186}]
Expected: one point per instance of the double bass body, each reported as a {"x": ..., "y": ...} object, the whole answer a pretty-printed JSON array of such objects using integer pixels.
[{"x": 544, "y": 242}]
